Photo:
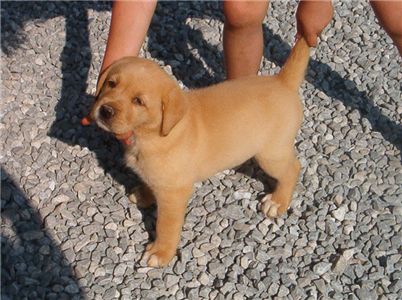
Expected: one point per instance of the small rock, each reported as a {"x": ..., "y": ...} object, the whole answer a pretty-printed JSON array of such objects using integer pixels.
[
  {"x": 244, "y": 262},
  {"x": 39, "y": 61},
  {"x": 91, "y": 211},
  {"x": 197, "y": 252},
  {"x": 72, "y": 289},
  {"x": 216, "y": 268},
  {"x": 238, "y": 296},
  {"x": 339, "y": 213},
  {"x": 348, "y": 253},
  {"x": 238, "y": 195},
  {"x": 45, "y": 250},
  {"x": 110, "y": 293},
  {"x": 203, "y": 278},
  {"x": 119, "y": 270},
  {"x": 322, "y": 268},
  {"x": 61, "y": 199},
  {"x": 338, "y": 199},
  {"x": 99, "y": 218},
  {"x": 273, "y": 289},
  {"x": 171, "y": 280},
  {"x": 100, "y": 271},
  {"x": 340, "y": 265},
  {"x": 364, "y": 294},
  {"x": 111, "y": 226},
  {"x": 32, "y": 235}
]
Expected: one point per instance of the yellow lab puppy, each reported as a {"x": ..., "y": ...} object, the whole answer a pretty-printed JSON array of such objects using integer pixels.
[{"x": 175, "y": 138}]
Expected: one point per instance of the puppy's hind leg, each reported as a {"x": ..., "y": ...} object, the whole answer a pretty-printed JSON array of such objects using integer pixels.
[{"x": 285, "y": 169}]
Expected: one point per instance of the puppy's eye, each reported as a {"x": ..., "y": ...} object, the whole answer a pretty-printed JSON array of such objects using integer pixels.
[
  {"x": 111, "y": 83},
  {"x": 137, "y": 101}
]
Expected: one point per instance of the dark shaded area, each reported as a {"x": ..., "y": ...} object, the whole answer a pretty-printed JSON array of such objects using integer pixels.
[
  {"x": 170, "y": 37},
  {"x": 32, "y": 265},
  {"x": 75, "y": 102},
  {"x": 15, "y": 14},
  {"x": 76, "y": 58}
]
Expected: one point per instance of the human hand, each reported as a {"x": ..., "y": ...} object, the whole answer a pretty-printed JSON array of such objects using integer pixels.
[{"x": 312, "y": 17}]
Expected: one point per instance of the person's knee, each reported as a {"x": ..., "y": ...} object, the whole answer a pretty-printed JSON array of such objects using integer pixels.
[
  {"x": 393, "y": 26},
  {"x": 394, "y": 29},
  {"x": 388, "y": 14},
  {"x": 240, "y": 14}
]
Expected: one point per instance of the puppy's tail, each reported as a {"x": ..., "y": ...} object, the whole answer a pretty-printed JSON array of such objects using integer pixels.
[{"x": 295, "y": 66}]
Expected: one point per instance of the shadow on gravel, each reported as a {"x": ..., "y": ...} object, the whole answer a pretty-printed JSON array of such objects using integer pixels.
[
  {"x": 335, "y": 86},
  {"x": 75, "y": 102},
  {"x": 169, "y": 38},
  {"x": 32, "y": 265},
  {"x": 76, "y": 59}
]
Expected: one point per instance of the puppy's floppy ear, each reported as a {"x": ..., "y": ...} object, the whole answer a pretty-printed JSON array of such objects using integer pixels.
[
  {"x": 174, "y": 106},
  {"x": 101, "y": 81}
]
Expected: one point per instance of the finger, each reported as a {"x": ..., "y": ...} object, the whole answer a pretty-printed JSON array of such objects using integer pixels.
[{"x": 297, "y": 36}]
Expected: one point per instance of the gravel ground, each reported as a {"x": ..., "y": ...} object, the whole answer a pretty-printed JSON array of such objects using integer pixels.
[{"x": 68, "y": 230}]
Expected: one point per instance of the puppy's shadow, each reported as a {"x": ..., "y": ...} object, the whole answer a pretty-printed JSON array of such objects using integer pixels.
[{"x": 251, "y": 169}]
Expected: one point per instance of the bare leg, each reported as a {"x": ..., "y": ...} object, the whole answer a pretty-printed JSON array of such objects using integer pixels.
[
  {"x": 243, "y": 37},
  {"x": 312, "y": 17},
  {"x": 128, "y": 28},
  {"x": 389, "y": 14},
  {"x": 286, "y": 171},
  {"x": 172, "y": 204}
]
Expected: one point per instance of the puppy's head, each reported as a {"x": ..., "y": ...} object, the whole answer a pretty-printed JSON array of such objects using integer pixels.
[{"x": 134, "y": 95}]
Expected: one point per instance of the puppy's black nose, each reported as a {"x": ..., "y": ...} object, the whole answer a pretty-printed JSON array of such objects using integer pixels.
[{"x": 106, "y": 112}]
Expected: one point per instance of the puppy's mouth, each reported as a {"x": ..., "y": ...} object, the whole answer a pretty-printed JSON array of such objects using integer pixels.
[
  {"x": 127, "y": 138},
  {"x": 102, "y": 124}
]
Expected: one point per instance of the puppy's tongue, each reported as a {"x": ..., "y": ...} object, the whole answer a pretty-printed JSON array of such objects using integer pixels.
[{"x": 125, "y": 138}]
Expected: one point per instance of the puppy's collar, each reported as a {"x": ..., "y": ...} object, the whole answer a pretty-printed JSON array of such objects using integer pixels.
[{"x": 126, "y": 138}]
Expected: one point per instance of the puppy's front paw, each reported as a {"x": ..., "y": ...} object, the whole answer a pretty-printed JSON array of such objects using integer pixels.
[
  {"x": 271, "y": 208},
  {"x": 141, "y": 196},
  {"x": 155, "y": 256}
]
